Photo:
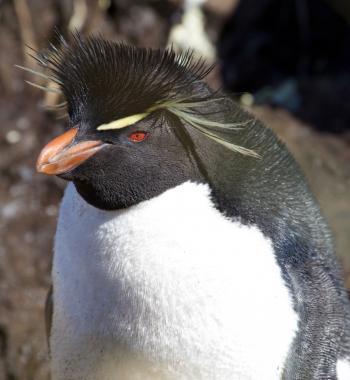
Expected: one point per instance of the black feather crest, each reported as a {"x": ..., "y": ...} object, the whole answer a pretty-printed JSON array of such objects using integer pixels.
[
  {"x": 107, "y": 84},
  {"x": 104, "y": 81}
]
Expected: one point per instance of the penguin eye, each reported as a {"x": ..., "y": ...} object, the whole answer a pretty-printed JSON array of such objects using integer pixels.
[{"x": 137, "y": 136}]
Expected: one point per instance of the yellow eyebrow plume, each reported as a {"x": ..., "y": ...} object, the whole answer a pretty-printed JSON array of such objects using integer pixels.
[
  {"x": 184, "y": 110},
  {"x": 123, "y": 122}
]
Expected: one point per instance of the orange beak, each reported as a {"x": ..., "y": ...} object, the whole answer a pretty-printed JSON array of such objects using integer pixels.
[{"x": 60, "y": 155}]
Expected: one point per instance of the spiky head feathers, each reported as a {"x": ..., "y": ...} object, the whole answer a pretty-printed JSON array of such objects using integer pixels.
[
  {"x": 105, "y": 81},
  {"x": 112, "y": 85}
]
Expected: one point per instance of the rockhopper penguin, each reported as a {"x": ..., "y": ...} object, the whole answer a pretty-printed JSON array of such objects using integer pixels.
[{"x": 188, "y": 243}]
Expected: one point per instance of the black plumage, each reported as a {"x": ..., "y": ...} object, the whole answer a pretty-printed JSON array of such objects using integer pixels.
[{"x": 104, "y": 81}]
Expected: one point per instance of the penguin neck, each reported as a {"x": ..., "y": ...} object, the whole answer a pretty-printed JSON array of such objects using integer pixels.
[{"x": 258, "y": 191}]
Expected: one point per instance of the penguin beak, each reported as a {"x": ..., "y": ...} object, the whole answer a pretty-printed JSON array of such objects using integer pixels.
[{"x": 62, "y": 155}]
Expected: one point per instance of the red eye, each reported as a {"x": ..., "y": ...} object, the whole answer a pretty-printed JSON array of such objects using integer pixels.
[{"x": 137, "y": 136}]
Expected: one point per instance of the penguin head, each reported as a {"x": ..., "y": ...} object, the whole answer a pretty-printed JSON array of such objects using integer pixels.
[{"x": 134, "y": 130}]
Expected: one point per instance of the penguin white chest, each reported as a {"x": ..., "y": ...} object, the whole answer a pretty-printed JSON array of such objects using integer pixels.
[{"x": 167, "y": 289}]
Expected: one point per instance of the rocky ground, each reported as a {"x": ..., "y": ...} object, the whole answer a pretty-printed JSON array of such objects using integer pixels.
[{"x": 29, "y": 201}]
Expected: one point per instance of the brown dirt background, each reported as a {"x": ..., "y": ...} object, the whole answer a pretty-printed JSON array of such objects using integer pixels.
[{"x": 29, "y": 202}]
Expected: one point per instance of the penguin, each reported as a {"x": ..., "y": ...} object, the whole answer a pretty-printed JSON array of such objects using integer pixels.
[{"x": 188, "y": 245}]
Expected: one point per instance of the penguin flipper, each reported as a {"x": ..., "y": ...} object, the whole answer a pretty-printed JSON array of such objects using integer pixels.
[{"x": 48, "y": 314}]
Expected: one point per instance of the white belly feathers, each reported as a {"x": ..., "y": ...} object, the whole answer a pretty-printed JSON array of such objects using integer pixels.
[{"x": 167, "y": 289}]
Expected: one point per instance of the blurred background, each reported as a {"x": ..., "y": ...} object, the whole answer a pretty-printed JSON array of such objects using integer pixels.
[{"x": 287, "y": 62}]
